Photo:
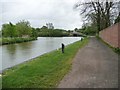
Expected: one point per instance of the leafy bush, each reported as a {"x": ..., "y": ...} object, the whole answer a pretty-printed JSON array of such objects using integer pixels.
[{"x": 20, "y": 29}]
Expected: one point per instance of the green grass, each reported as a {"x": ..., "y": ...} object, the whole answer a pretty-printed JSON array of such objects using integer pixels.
[
  {"x": 5, "y": 41},
  {"x": 45, "y": 71},
  {"x": 0, "y": 82}
]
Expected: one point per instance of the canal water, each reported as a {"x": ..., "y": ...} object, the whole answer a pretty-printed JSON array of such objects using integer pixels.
[{"x": 14, "y": 54}]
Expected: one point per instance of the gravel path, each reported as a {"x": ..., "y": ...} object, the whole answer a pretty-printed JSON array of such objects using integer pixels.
[{"x": 94, "y": 66}]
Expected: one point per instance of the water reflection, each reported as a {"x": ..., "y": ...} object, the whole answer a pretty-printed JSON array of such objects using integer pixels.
[
  {"x": 26, "y": 46},
  {"x": 17, "y": 53},
  {"x": 11, "y": 49}
]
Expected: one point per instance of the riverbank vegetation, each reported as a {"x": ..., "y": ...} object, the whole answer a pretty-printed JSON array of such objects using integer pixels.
[
  {"x": 46, "y": 32},
  {"x": 87, "y": 30},
  {"x": 45, "y": 71},
  {"x": 23, "y": 32},
  {"x": 20, "y": 29},
  {"x": 16, "y": 40},
  {"x": 20, "y": 32}
]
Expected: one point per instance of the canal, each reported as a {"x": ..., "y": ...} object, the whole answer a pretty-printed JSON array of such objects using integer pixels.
[{"x": 14, "y": 54}]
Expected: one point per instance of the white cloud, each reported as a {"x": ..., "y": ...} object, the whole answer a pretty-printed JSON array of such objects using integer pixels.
[{"x": 40, "y": 12}]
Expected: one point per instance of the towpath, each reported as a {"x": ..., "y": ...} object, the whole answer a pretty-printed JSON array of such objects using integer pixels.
[{"x": 94, "y": 66}]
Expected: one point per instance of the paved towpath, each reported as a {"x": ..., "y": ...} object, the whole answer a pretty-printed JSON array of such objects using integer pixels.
[{"x": 94, "y": 66}]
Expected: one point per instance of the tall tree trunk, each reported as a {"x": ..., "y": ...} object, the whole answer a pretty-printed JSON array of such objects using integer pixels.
[{"x": 98, "y": 17}]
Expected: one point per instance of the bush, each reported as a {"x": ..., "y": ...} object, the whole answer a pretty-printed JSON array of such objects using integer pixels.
[
  {"x": 117, "y": 50},
  {"x": 5, "y": 41}
]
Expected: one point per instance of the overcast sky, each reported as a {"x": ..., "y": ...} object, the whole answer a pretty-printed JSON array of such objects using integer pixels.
[{"x": 40, "y": 12}]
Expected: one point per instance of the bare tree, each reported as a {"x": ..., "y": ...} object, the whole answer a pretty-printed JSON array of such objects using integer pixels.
[{"x": 100, "y": 13}]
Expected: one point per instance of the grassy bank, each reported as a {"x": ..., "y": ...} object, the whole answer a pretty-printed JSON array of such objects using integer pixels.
[
  {"x": 5, "y": 41},
  {"x": 116, "y": 50},
  {"x": 0, "y": 82},
  {"x": 45, "y": 71}
]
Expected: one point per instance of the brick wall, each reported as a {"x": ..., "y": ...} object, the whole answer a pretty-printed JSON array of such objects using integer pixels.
[{"x": 111, "y": 35}]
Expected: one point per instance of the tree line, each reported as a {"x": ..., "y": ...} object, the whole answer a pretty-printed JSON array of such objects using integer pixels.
[
  {"x": 24, "y": 29},
  {"x": 46, "y": 32},
  {"x": 99, "y": 15},
  {"x": 20, "y": 29}
]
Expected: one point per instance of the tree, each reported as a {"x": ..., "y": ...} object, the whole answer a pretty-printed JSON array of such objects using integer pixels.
[
  {"x": 118, "y": 18},
  {"x": 23, "y": 28},
  {"x": 75, "y": 29},
  {"x": 44, "y": 27},
  {"x": 8, "y": 30},
  {"x": 49, "y": 25},
  {"x": 100, "y": 13},
  {"x": 34, "y": 32}
]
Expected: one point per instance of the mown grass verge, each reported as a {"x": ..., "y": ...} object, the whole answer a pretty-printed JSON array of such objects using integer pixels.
[
  {"x": 45, "y": 71},
  {"x": 0, "y": 82},
  {"x": 4, "y": 41},
  {"x": 116, "y": 50}
]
